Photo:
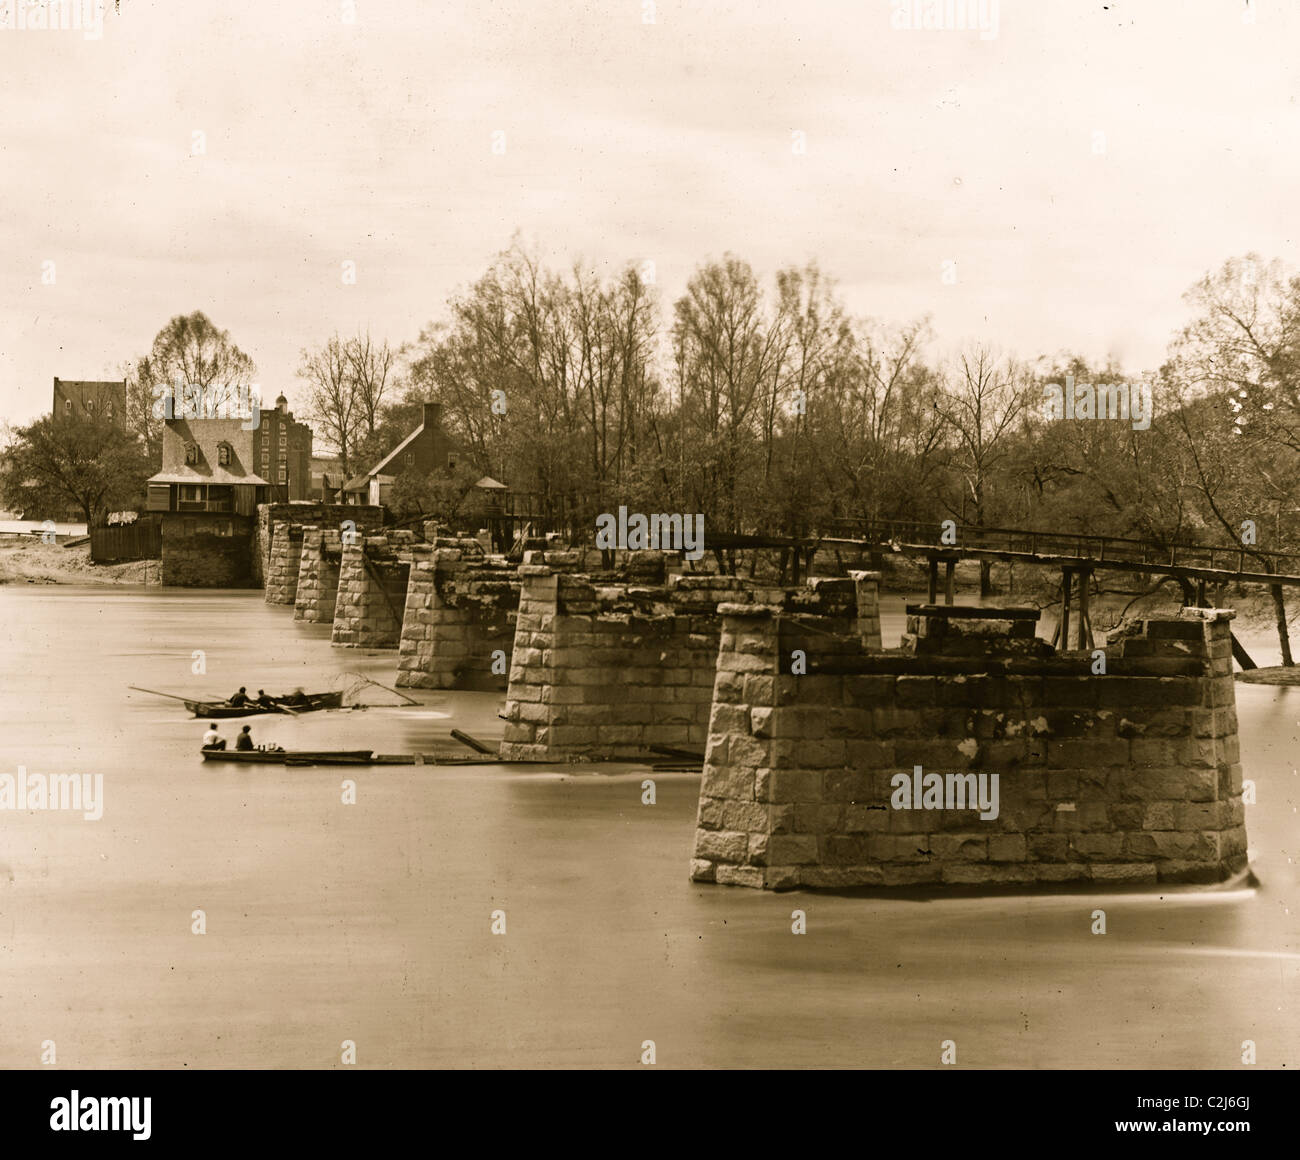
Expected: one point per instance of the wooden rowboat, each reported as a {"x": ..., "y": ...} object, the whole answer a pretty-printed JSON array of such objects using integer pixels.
[
  {"x": 291, "y": 756},
  {"x": 216, "y": 709}
]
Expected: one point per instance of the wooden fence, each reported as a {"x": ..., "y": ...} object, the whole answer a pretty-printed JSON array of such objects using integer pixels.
[{"x": 139, "y": 541}]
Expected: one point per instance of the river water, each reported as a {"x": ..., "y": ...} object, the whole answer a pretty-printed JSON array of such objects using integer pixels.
[{"x": 371, "y": 922}]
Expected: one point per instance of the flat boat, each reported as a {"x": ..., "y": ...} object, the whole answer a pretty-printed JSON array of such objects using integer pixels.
[{"x": 291, "y": 756}]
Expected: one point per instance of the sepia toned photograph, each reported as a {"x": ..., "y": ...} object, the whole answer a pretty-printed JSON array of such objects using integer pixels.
[{"x": 582, "y": 535}]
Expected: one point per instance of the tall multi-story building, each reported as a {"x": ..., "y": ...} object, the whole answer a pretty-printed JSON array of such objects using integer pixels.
[
  {"x": 283, "y": 453},
  {"x": 89, "y": 400}
]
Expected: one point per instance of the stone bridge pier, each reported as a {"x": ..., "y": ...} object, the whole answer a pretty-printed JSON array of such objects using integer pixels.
[
  {"x": 974, "y": 756},
  {"x": 607, "y": 670},
  {"x": 459, "y": 625},
  {"x": 285, "y": 562},
  {"x": 373, "y": 579},
  {"x": 318, "y": 575}
]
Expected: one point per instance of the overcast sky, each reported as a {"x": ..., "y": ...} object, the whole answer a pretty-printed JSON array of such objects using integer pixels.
[{"x": 672, "y": 142}]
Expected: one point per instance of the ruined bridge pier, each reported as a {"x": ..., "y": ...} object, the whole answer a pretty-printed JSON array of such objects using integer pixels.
[
  {"x": 1128, "y": 777},
  {"x": 373, "y": 578},
  {"x": 607, "y": 670}
]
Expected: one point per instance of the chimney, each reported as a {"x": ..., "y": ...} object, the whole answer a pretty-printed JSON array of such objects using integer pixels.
[{"x": 432, "y": 416}]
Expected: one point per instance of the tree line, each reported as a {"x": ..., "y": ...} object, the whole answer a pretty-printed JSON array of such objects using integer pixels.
[{"x": 768, "y": 407}]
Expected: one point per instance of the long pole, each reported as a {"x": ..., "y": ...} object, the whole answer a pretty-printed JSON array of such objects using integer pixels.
[
  {"x": 395, "y": 692},
  {"x": 155, "y": 692}
]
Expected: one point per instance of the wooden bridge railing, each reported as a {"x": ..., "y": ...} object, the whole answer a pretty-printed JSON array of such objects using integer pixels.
[{"x": 1078, "y": 545}]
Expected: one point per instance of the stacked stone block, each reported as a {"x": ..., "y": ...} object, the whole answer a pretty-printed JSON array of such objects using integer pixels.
[
  {"x": 207, "y": 550},
  {"x": 318, "y": 576},
  {"x": 286, "y": 558},
  {"x": 459, "y": 620},
  {"x": 324, "y": 515},
  {"x": 606, "y": 671},
  {"x": 867, "y": 588},
  {"x": 1131, "y": 776},
  {"x": 373, "y": 581}
]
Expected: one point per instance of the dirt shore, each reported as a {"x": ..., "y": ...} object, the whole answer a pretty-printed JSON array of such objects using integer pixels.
[{"x": 28, "y": 561}]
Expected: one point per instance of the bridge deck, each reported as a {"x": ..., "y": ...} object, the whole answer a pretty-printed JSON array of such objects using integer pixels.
[{"x": 1065, "y": 550}]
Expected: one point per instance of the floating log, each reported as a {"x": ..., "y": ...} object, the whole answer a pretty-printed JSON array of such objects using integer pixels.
[{"x": 473, "y": 742}]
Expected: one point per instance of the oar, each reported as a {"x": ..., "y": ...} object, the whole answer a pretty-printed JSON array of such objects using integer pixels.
[{"x": 173, "y": 696}]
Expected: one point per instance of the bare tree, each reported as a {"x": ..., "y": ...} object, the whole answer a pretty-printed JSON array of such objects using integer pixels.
[
  {"x": 983, "y": 401},
  {"x": 369, "y": 365},
  {"x": 332, "y": 396}
]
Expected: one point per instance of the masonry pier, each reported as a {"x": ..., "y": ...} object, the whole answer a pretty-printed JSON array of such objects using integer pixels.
[
  {"x": 373, "y": 578},
  {"x": 1131, "y": 775},
  {"x": 606, "y": 670},
  {"x": 458, "y": 631},
  {"x": 286, "y": 557},
  {"x": 318, "y": 576}
]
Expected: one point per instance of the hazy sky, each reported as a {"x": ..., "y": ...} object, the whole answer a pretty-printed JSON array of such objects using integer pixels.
[{"x": 672, "y": 142}]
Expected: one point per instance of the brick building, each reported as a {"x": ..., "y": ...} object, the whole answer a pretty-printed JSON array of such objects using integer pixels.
[
  {"x": 89, "y": 399},
  {"x": 282, "y": 452},
  {"x": 426, "y": 449}
]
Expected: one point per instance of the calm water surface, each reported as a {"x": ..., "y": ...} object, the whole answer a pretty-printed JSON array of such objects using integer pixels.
[{"x": 371, "y": 922}]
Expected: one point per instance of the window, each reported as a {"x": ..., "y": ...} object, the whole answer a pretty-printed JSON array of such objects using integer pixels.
[
  {"x": 191, "y": 453},
  {"x": 408, "y": 460},
  {"x": 451, "y": 462},
  {"x": 223, "y": 454},
  {"x": 90, "y": 406},
  {"x": 67, "y": 404}
]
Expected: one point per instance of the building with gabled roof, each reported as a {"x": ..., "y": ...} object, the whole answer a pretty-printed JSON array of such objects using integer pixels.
[{"x": 425, "y": 450}]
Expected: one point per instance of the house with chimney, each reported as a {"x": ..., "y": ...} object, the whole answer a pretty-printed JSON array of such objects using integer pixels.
[
  {"x": 425, "y": 450},
  {"x": 214, "y": 474}
]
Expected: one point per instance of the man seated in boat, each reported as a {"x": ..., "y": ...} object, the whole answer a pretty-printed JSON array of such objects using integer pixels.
[
  {"x": 245, "y": 738},
  {"x": 296, "y": 698},
  {"x": 265, "y": 699},
  {"x": 212, "y": 739},
  {"x": 241, "y": 698}
]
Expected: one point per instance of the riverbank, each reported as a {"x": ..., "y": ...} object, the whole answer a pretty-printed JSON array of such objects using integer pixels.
[{"x": 28, "y": 561}]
